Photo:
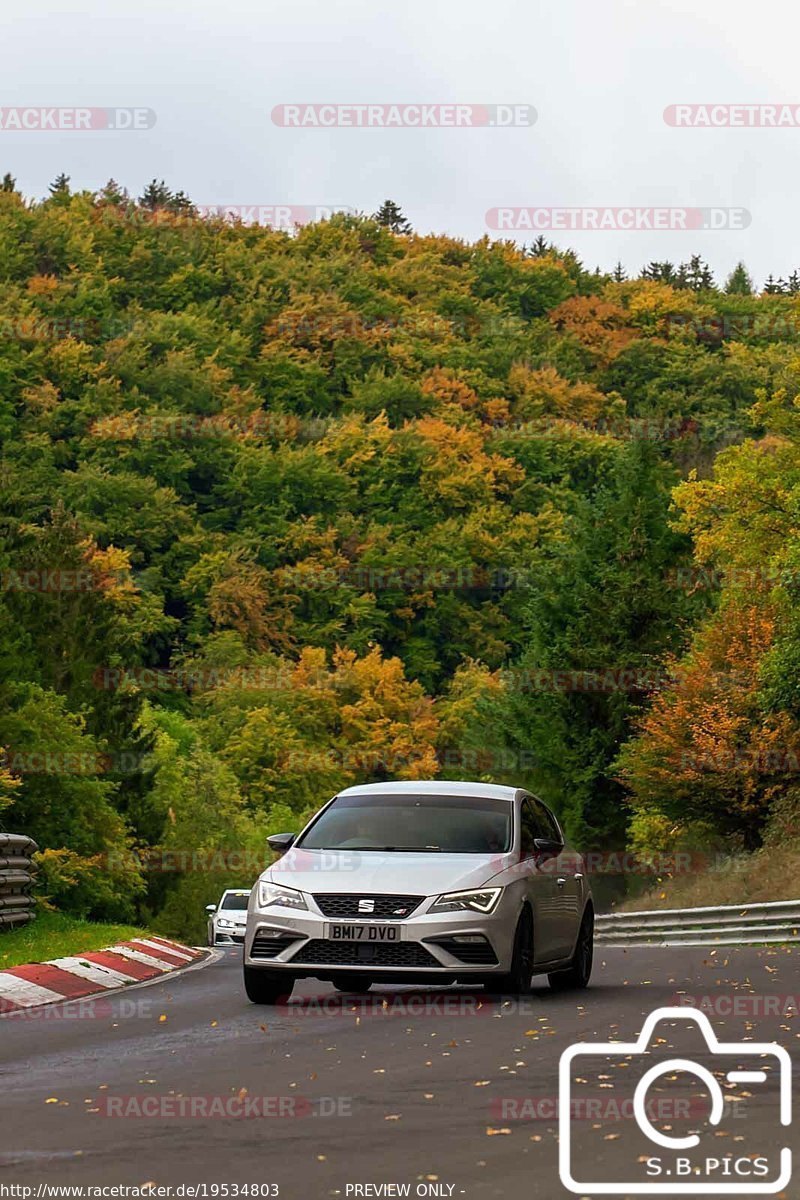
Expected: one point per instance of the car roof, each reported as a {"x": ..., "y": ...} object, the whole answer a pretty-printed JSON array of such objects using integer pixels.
[
  {"x": 236, "y": 892},
  {"x": 433, "y": 787}
]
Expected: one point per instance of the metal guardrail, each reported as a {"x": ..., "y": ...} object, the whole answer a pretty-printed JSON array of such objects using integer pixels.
[
  {"x": 727, "y": 925},
  {"x": 17, "y": 874}
]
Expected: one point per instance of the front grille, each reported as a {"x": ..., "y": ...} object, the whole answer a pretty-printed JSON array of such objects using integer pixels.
[
  {"x": 387, "y": 908},
  {"x": 480, "y": 954},
  {"x": 357, "y": 954},
  {"x": 270, "y": 945}
]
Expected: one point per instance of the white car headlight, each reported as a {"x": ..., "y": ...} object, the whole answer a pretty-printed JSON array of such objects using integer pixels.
[
  {"x": 223, "y": 922},
  {"x": 482, "y": 901},
  {"x": 270, "y": 894}
]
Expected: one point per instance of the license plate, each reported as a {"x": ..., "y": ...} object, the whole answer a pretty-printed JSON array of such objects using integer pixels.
[{"x": 366, "y": 932}]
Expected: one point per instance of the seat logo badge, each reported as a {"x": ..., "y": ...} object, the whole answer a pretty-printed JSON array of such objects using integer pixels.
[{"x": 365, "y": 906}]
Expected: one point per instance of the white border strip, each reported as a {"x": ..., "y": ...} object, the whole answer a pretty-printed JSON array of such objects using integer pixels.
[
  {"x": 140, "y": 941},
  {"x": 23, "y": 992},
  {"x": 105, "y": 977},
  {"x": 138, "y": 956}
]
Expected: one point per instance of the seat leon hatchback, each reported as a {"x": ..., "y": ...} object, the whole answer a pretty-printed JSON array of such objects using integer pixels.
[{"x": 421, "y": 882}]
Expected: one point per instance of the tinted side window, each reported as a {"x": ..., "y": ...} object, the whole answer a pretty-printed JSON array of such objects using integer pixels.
[
  {"x": 549, "y": 823},
  {"x": 530, "y": 826}
]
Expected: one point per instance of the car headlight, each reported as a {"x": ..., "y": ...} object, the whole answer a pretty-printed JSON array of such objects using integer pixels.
[
  {"x": 224, "y": 923},
  {"x": 482, "y": 902},
  {"x": 270, "y": 894}
]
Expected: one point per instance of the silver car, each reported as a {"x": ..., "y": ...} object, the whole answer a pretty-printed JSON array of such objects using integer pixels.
[
  {"x": 421, "y": 882},
  {"x": 227, "y": 920}
]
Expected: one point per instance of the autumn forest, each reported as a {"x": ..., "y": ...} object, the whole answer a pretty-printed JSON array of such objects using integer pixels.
[{"x": 286, "y": 511}]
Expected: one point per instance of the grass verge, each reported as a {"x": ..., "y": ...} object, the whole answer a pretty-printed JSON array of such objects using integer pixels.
[
  {"x": 54, "y": 935},
  {"x": 772, "y": 873}
]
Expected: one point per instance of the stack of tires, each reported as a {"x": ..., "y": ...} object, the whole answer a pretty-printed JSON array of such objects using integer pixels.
[{"x": 17, "y": 873}]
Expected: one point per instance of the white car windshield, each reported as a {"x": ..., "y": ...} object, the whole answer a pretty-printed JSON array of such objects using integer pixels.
[
  {"x": 237, "y": 900},
  {"x": 408, "y": 822}
]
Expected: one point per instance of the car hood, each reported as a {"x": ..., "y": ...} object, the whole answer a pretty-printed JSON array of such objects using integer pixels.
[
  {"x": 233, "y": 914},
  {"x": 384, "y": 872}
]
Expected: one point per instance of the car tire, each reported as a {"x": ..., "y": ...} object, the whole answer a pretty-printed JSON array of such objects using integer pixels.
[
  {"x": 357, "y": 984},
  {"x": 267, "y": 987},
  {"x": 579, "y": 973},
  {"x": 517, "y": 981}
]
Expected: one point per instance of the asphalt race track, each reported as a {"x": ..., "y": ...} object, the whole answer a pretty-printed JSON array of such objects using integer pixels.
[{"x": 399, "y": 1087}]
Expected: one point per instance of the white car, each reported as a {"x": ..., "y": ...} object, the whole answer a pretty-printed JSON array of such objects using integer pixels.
[
  {"x": 228, "y": 919},
  {"x": 414, "y": 882}
]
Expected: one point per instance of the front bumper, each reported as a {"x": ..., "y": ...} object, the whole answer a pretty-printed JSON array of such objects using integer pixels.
[
  {"x": 229, "y": 937},
  {"x": 280, "y": 939}
]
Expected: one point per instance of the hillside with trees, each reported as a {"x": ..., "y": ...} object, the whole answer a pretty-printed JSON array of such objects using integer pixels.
[{"x": 282, "y": 512}]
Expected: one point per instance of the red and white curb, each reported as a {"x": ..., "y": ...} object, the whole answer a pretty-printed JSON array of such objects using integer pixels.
[{"x": 96, "y": 971}]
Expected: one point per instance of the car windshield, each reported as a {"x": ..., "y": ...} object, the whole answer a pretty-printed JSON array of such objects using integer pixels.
[
  {"x": 236, "y": 900},
  {"x": 408, "y": 822}
]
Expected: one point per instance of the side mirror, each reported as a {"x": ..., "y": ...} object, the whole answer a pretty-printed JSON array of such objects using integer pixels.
[
  {"x": 281, "y": 842},
  {"x": 211, "y": 908},
  {"x": 548, "y": 846}
]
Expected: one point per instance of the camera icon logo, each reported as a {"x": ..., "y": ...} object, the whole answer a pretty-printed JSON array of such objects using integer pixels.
[{"x": 672, "y": 1160}]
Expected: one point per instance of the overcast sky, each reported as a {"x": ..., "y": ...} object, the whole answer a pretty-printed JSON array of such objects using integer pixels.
[{"x": 599, "y": 75}]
